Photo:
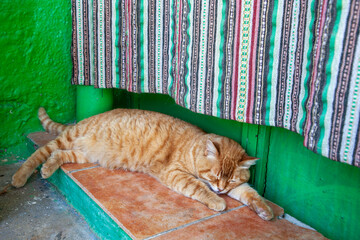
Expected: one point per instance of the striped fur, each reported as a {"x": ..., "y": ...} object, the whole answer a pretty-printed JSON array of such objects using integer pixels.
[
  {"x": 49, "y": 125},
  {"x": 180, "y": 155}
]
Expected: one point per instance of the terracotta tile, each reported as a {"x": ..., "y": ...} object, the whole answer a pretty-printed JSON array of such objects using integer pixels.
[
  {"x": 241, "y": 224},
  {"x": 68, "y": 167},
  {"x": 141, "y": 205},
  {"x": 41, "y": 138}
]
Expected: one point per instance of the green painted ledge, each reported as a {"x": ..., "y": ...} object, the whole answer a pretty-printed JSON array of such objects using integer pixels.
[{"x": 98, "y": 220}]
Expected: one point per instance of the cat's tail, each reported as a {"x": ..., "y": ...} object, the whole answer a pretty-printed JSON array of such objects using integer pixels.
[{"x": 49, "y": 125}]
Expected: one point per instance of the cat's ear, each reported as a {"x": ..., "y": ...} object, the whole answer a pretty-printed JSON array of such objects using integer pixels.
[
  {"x": 248, "y": 161},
  {"x": 211, "y": 150}
]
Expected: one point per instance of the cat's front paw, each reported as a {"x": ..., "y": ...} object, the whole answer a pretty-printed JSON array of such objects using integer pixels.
[
  {"x": 264, "y": 211},
  {"x": 217, "y": 204}
]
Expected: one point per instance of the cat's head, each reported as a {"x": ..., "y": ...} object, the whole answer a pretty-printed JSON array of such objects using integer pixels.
[{"x": 224, "y": 164}]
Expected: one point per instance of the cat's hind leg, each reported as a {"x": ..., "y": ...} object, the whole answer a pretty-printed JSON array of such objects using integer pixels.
[
  {"x": 27, "y": 168},
  {"x": 58, "y": 158}
]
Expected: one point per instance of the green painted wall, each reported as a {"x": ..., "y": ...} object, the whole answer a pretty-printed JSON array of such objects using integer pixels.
[
  {"x": 35, "y": 70},
  {"x": 92, "y": 101},
  {"x": 35, "y": 67},
  {"x": 318, "y": 191}
]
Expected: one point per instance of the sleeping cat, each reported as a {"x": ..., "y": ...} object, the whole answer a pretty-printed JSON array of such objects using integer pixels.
[{"x": 178, "y": 154}]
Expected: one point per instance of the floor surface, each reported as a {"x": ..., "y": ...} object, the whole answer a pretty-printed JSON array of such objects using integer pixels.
[{"x": 37, "y": 211}]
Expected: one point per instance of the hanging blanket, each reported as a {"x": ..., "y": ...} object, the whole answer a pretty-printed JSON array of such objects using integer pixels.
[{"x": 288, "y": 63}]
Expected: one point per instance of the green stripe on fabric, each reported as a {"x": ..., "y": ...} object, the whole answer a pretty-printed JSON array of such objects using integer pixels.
[
  {"x": 143, "y": 44},
  {"x": 202, "y": 55},
  {"x": 188, "y": 62},
  {"x": 303, "y": 102},
  {"x": 117, "y": 44},
  {"x": 101, "y": 54},
  {"x": 328, "y": 77},
  {"x": 245, "y": 45},
  {"x": 221, "y": 56},
  {"x": 276, "y": 63},
  {"x": 291, "y": 63},
  {"x": 220, "y": 14},
  {"x": 91, "y": 43},
  {"x": 271, "y": 62},
  {"x": 304, "y": 67},
  {"x": 353, "y": 120},
  {"x": 172, "y": 48},
  {"x": 80, "y": 42},
  {"x": 335, "y": 71},
  {"x": 158, "y": 46}
]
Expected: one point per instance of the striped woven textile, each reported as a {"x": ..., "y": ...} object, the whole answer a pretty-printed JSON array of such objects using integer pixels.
[{"x": 287, "y": 63}]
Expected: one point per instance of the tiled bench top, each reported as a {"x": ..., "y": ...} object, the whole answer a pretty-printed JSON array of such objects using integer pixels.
[{"x": 145, "y": 209}]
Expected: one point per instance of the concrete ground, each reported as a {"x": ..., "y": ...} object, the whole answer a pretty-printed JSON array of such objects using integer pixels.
[{"x": 37, "y": 211}]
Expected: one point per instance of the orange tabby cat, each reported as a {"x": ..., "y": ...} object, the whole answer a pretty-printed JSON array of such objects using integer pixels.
[{"x": 180, "y": 155}]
